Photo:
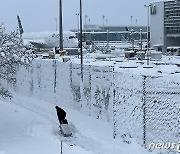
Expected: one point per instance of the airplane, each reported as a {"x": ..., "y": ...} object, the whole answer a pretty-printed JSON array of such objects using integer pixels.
[{"x": 48, "y": 40}]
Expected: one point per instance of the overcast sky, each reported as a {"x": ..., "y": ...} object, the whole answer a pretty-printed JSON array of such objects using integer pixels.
[{"x": 39, "y": 15}]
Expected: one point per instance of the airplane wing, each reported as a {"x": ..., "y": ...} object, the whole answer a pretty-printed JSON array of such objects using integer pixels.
[{"x": 38, "y": 43}]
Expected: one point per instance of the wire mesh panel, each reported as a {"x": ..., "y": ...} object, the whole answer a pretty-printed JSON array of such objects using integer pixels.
[
  {"x": 75, "y": 81},
  {"x": 148, "y": 108},
  {"x": 101, "y": 92},
  {"x": 86, "y": 90},
  {"x": 62, "y": 77},
  {"x": 92, "y": 96},
  {"x": 127, "y": 107},
  {"x": 163, "y": 112}
]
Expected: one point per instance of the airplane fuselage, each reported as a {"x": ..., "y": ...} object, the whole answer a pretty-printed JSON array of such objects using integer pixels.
[{"x": 50, "y": 39}]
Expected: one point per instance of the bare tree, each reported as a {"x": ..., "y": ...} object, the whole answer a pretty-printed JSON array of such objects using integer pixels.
[{"x": 12, "y": 54}]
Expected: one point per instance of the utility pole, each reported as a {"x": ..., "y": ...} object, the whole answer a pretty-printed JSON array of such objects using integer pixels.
[{"x": 60, "y": 27}]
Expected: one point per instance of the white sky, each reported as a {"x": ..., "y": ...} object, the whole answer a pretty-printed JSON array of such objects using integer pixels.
[{"x": 39, "y": 15}]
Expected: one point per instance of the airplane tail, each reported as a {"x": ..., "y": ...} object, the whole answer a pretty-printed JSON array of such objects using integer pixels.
[
  {"x": 20, "y": 25},
  {"x": 126, "y": 28}
]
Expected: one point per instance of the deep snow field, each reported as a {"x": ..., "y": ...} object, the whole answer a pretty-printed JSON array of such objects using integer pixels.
[{"x": 30, "y": 126}]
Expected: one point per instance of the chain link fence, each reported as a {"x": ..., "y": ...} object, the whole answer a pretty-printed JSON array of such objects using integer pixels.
[
  {"x": 148, "y": 108},
  {"x": 94, "y": 95}
]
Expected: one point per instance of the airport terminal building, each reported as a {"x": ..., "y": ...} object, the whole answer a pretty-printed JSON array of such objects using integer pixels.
[
  {"x": 98, "y": 33},
  {"x": 165, "y": 24}
]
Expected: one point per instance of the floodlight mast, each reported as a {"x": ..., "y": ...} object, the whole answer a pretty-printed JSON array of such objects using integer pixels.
[
  {"x": 60, "y": 27},
  {"x": 81, "y": 31},
  {"x": 147, "y": 6}
]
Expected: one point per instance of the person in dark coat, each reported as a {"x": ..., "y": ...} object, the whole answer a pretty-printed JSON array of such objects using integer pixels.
[{"x": 61, "y": 115}]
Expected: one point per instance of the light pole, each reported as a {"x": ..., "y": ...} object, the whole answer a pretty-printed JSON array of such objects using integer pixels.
[
  {"x": 103, "y": 21},
  {"x": 81, "y": 39},
  {"x": 132, "y": 39},
  {"x": 89, "y": 28},
  {"x": 131, "y": 21},
  {"x": 60, "y": 27},
  {"x": 86, "y": 22},
  {"x": 56, "y": 23},
  {"x": 77, "y": 14},
  {"x": 141, "y": 39},
  {"x": 107, "y": 49},
  {"x": 107, "y": 22},
  {"x": 136, "y": 21},
  {"x": 147, "y": 6}
]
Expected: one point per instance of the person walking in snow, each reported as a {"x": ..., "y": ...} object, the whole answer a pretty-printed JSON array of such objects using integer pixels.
[{"x": 61, "y": 114}]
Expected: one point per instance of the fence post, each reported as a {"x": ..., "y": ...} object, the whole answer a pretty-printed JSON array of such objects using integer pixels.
[
  {"x": 144, "y": 110},
  {"x": 61, "y": 146},
  {"x": 113, "y": 108},
  {"x": 55, "y": 75}
]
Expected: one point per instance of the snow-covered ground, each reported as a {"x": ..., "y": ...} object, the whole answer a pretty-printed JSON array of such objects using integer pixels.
[{"x": 30, "y": 126}]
